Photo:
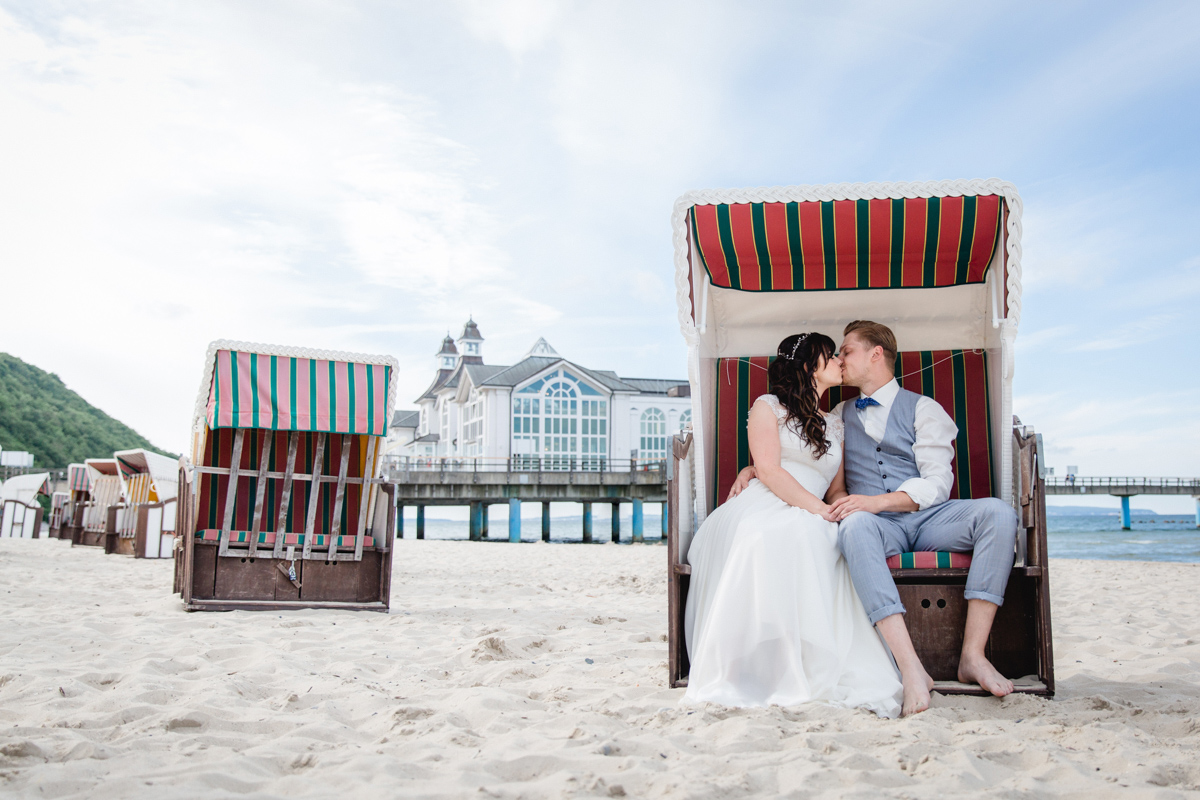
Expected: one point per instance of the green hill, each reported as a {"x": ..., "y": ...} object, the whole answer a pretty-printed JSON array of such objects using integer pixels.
[{"x": 40, "y": 414}]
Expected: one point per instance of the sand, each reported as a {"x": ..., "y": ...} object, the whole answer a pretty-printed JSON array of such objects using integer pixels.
[{"x": 539, "y": 670}]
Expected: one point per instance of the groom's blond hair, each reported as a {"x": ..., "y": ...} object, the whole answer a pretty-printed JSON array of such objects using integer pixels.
[{"x": 875, "y": 334}]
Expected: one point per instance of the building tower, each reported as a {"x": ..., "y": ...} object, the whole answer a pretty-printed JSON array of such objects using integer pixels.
[
  {"x": 470, "y": 343},
  {"x": 447, "y": 358}
]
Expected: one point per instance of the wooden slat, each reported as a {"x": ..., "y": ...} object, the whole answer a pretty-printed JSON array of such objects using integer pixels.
[
  {"x": 314, "y": 494},
  {"x": 260, "y": 491},
  {"x": 286, "y": 496},
  {"x": 364, "y": 499},
  {"x": 335, "y": 522},
  {"x": 231, "y": 491},
  {"x": 300, "y": 476}
]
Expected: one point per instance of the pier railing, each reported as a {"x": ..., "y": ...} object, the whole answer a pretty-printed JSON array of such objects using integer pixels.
[
  {"x": 1122, "y": 486},
  {"x": 523, "y": 464}
]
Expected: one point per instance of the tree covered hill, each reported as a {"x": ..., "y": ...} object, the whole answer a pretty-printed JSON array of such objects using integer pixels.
[{"x": 40, "y": 414}]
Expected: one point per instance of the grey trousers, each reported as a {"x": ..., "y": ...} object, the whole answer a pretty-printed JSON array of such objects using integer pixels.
[{"x": 986, "y": 527}]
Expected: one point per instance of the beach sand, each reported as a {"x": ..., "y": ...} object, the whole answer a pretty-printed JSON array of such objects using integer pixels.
[{"x": 539, "y": 671}]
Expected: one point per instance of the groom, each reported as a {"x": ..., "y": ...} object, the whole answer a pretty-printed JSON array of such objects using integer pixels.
[{"x": 898, "y": 452}]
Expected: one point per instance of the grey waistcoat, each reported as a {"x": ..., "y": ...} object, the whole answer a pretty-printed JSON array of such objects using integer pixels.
[{"x": 872, "y": 468}]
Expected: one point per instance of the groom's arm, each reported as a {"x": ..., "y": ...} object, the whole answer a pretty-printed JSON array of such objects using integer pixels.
[{"x": 934, "y": 453}]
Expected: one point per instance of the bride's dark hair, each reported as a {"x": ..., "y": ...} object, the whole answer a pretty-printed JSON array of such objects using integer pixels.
[{"x": 792, "y": 381}]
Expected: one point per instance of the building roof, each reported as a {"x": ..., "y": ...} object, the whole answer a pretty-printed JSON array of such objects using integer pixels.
[
  {"x": 448, "y": 348},
  {"x": 406, "y": 418},
  {"x": 542, "y": 348},
  {"x": 470, "y": 331},
  {"x": 653, "y": 385}
]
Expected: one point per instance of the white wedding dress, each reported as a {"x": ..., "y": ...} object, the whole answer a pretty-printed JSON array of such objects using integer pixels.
[{"x": 772, "y": 617}]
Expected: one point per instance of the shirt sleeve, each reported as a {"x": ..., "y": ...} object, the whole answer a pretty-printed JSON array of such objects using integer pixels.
[{"x": 934, "y": 451}]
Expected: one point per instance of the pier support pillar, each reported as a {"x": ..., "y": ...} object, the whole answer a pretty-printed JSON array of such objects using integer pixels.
[
  {"x": 545, "y": 522},
  {"x": 420, "y": 522},
  {"x": 1197, "y": 499},
  {"x": 399, "y": 521},
  {"x": 475, "y": 523},
  {"x": 616, "y": 523},
  {"x": 483, "y": 516},
  {"x": 587, "y": 523},
  {"x": 1126, "y": 524},
  {"x": 638, "y": 521},
  {"x": 514, "y": 519}
]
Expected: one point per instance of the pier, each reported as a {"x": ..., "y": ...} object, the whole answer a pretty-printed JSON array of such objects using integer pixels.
[
  {"x": 1126, "y": 488},
  {"x": 482, "y": 482}
]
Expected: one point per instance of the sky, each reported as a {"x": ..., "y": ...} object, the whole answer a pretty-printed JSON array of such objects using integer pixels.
[{"x": 364, "y": 175}]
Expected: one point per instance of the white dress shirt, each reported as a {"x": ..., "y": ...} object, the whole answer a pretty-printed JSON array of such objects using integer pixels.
[{"x": 933, "y": 448}]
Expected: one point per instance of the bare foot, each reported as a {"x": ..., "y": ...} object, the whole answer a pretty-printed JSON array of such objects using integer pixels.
[
  {"x": 977, "y": 669},
  {"x": 916, "y": 693}
]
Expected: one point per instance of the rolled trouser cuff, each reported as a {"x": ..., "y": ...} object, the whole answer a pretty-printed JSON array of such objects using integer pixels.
[
  {"x": 996, "y": 599},
  {"x": 885, "y": 612}
]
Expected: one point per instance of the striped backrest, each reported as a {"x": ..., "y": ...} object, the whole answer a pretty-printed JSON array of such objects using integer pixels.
[
  {"x": 885, "y": 243},
  {"x": 218, "y": 452},
  {"x": 956, "y": 379},
  {"x": 280, "y": 393}
]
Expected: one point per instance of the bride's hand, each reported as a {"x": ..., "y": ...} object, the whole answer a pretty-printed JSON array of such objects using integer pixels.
[{"x": 827, "y": 513}]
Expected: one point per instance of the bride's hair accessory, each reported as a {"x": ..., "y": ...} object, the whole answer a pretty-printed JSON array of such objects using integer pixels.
[{"x": 799, "y": 340}]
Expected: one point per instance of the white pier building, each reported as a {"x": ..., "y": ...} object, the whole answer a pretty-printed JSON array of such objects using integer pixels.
[{"x": 544, "y": 410}]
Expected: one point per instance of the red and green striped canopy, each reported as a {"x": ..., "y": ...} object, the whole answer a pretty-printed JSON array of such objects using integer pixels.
[
  {"x": 279, "y": 393},
  {"x": 77, "y": 478},
  {"x": 956, "y": 379},
  {"x": 889, "y": 243}
]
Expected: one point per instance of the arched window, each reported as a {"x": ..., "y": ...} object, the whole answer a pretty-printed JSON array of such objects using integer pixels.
[
  {"x": 685, "y": 419},
  {"x": 654, "y": 435},
  {"x": 558, "y": 424}
]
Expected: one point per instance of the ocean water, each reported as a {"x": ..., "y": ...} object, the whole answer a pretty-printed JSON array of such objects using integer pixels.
[
  {"x": 1155, "y": 537},
  {"x": 562, "y": 529}
]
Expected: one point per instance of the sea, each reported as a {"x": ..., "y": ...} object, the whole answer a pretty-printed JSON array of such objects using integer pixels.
[{"x": 1072, "y": 532}]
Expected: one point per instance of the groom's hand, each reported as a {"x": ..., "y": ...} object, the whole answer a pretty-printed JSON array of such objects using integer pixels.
[
  {"x": 742, "y": 481},
  {"x": 845, "y": 506}
]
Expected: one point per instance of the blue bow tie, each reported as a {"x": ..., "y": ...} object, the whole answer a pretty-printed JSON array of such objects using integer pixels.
[{"x": 862, "y": 402}]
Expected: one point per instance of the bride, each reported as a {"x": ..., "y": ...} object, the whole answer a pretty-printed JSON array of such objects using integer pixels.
[{"x": 772, "y": 617}]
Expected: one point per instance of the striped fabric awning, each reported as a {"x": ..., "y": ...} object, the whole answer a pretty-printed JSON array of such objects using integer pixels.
[
  {"x": 252, "y": 390},
  {"x": 889, "y": 243},
  {"x": 127, "y": 470},
  {"x": 956, "y": 379},
  {"x": 77, "y": 478}
]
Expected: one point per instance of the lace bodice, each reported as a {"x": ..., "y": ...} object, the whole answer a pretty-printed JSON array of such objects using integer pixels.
[{"x": 794, "y": 450}]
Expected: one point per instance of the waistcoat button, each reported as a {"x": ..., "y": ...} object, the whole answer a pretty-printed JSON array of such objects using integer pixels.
[
  {"x": 885, "y": 476},
  {"x": 878, "y": 449}
]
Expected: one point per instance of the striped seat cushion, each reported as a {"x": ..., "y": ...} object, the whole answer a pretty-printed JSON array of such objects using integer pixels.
[
  {"x": 213, "y": 536},
  {"x": 956, "y": 379},
  {"x": 930, "y": 560}
]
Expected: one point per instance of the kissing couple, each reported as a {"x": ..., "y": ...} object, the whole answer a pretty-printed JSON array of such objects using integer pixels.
[{"x": 790, "y": 580}]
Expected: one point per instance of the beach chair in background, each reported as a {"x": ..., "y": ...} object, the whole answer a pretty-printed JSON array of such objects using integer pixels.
[
  {"x": 937, "y": 262},
  {"x": 78, "y": 493},
  {"x": 102, "y": 511},
  {"x": 58, "y": 514},
  {"x": 281, "y": 504},
  {"x": 20, "y": 511},
  {"x": 146, "y": 525}
]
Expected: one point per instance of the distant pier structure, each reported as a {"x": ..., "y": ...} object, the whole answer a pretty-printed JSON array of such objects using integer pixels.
[
  {"x": 1126, "y": 488},
  {"x": 478, "y": 484},
  {"x": 545, "y": 429}
]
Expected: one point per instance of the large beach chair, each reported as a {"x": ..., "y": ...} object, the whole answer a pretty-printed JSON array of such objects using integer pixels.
[
  {"x": 20, "y": 512},
  {"x": 284, "y": 506},
  {"x": 102, "y": 511},
  {"x": 78, "y": 493},
  {"x": 938, "y": 262},
  {"x": 149, "y": 484}
]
